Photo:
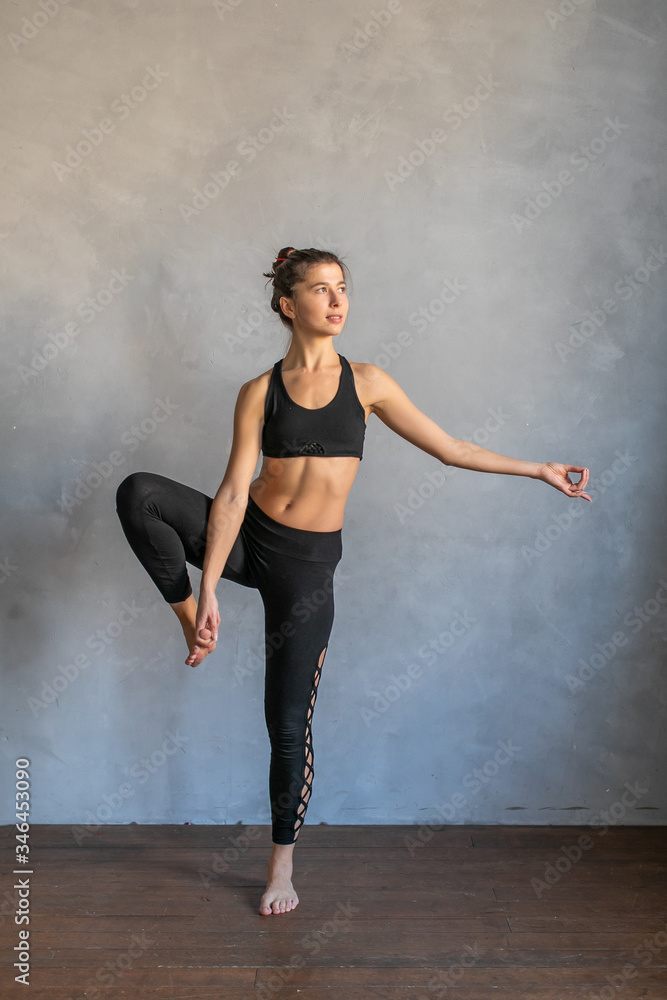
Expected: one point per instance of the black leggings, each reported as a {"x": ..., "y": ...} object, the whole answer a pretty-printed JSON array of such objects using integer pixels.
[{"x": 165, "y": 523}]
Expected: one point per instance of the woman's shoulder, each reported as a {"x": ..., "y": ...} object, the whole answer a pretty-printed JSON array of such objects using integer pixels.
[
  {"x": 371, "y": 382},
  {"x": 259, "y": 382},
  {"x": 367, "y": 374},
  {"x": 365, "y": 370},
  {"x": 253, "y": 393}
]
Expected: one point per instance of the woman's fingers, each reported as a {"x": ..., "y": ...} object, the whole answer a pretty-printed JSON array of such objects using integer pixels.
[
  {"x": 572, "y": 488},
  {"x": 210, "y": 620},
  {"x": 207, "y": 623},
  {"x": 584, "y": 475},
  {"x": 560, "y": 478},
  {"x": 576, "y": 490},
  {"x": 205, "y": 636}
]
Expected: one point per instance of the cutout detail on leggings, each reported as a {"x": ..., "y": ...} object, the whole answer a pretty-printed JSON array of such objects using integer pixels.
[{"x": 308, "y": 763}]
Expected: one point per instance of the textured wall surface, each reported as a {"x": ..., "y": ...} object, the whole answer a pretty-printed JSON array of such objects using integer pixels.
[{"x": 493, "y": 175}]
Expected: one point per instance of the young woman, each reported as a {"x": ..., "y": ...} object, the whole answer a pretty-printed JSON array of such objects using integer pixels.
[{"x": 281, "y": 532}]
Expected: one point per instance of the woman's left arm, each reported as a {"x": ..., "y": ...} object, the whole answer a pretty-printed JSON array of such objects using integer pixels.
[{"x": 400, "y": 414}]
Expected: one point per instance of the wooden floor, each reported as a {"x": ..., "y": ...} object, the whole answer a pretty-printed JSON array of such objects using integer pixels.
[{"x": 140, "y": 911}]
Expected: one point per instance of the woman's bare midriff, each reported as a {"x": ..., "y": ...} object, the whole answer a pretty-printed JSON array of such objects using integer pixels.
[{"x": 307, "y": 491}]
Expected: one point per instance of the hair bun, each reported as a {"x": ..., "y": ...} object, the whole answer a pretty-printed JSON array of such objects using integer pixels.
[{"x": 284, "y": 254}]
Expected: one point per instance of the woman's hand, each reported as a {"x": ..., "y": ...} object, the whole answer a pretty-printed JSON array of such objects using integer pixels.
[
  {"x": 207, "y": 623},
  {"x": 556, "y": 475}
]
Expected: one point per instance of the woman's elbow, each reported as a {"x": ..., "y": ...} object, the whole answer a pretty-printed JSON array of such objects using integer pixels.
[
  {"x": 230, "y": 498},
  {"x": 453, "y": 451}
]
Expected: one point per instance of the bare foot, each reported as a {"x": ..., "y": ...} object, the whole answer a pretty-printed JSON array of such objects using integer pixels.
[
  {"x": 186, "y": 612},
  {"x": 280, "y": 896},
  {"x": 197, "y": 652}
]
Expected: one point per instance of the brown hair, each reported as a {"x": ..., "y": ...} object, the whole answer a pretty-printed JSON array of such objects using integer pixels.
[{"x": 290, "y": 267}]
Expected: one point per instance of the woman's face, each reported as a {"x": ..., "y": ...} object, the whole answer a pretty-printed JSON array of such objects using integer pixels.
[{"x": 321, "y": 303}]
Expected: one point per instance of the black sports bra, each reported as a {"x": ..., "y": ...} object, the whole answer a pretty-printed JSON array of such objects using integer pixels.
[{"x": 335, "y": 429}]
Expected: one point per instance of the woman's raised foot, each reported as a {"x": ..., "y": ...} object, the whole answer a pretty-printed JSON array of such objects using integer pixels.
[
  {"x": 197, "y": 652},
  {"x": 186, "y": 612}
]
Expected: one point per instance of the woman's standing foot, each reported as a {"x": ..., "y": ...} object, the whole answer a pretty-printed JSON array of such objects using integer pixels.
[{"x": 280, "y": 896}]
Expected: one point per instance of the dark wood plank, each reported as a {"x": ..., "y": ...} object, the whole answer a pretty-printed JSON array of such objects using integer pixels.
[
  {"x": 529, "y": 837},
  {"x": 214, "y": 836},
  {"x": 407, "y": 949},
  {"x": 604, "y": 895},
  {"x": 148, "y": 861},
  {"x": 223, "y": 904},
  {"x": 326, "y": 993},
  {"x": 396, "y": 983},
  {"x": 479, "y": 837}
]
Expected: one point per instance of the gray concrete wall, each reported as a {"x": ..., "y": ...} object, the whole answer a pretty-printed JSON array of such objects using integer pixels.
[{"x": 492, "y": 175}]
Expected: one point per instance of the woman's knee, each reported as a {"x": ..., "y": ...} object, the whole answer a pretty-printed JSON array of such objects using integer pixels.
[
  {"x": 133, "y": 490},
  {"x": 286, "y": 729}
]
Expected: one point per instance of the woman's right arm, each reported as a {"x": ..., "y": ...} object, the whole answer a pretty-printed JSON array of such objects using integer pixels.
[{"x": 229, "y": 504}]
